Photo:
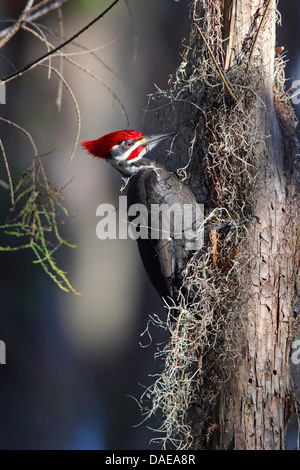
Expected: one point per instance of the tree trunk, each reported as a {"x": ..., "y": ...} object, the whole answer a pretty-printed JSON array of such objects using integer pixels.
[
  {"x": 258, "y": 398},
  {"x": 226, "y": 378}
]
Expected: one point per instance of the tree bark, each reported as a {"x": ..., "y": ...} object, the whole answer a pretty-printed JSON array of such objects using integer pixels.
[
  {"x": 256, "y": 403},
  {"x": 226, "y": 378}
]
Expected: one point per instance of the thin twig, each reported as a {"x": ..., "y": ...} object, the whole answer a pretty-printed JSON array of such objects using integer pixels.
[
  {"x": 35, "y": 13},
  {"x": 255, "y": 40},
  {"x": 224, "y": 79},
  {"x": 61, "y": 65},
  {"x": 286, "y": 92},
  {"x": 25, "y": 132},
  {"x": 8, "y": 174},
  {"x": 135, "y": 35},
  {"x": 85, "y": 50},
  {"x": 65, "y": 43},
  {"x": 73, "y": 62},
  {"x": 41, "y": 36},
  {"x": 43, "y": 4},
  {"x": 84, "y": 69},
  {"x": 15, "y": 28},
  {"x": 75, "y": 104}
]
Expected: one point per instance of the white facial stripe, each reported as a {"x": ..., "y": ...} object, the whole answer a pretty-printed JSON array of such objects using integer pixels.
[{"x": 125, "y": 155}]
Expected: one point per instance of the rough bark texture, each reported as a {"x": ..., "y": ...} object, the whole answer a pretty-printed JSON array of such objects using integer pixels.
[
  {"x": 257, "y": 401},
  {"x": 226, "y": 382}
]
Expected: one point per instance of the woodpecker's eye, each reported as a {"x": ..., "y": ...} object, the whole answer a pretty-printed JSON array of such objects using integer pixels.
[{"x": 127, "y": 143}]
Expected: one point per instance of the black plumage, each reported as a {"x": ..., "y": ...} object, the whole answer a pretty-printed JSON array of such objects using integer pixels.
[{"x": 164, "y": 259}]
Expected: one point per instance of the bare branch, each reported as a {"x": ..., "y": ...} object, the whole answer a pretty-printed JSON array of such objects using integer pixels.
[
  {"x": 65, "y": 43},
  {"x": 61, "y": 55},
  {"x": 35, "y": 13},
  {"x": 225, "y": 81},
  {"x": 15, "y": 28}
]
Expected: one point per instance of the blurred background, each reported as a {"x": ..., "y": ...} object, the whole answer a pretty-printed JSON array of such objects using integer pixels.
[{"x": 75, "y": 366}]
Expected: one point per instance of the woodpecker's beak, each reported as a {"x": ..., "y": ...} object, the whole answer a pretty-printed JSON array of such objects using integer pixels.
[{"x": 152, "y": 140}]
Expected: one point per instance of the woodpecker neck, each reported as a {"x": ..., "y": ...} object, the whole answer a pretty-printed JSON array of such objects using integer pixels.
[{"x": 129, "y": 168}]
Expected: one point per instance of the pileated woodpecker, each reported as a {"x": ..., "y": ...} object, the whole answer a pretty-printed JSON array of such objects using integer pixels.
[{"x": 150, "y": 183}]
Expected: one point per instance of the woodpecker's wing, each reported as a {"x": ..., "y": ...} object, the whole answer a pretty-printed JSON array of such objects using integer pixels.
[{"x": 166, "y": 250}]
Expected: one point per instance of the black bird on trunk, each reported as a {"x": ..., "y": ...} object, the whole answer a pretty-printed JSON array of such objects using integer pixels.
[{"x": 172, "y": 217}]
